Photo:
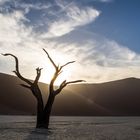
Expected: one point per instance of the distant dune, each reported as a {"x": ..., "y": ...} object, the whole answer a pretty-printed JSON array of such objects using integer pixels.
[{"x": 120, "y": 97}]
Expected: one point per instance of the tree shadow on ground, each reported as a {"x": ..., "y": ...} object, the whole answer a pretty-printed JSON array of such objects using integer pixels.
[{"x": 39, "y": 134}]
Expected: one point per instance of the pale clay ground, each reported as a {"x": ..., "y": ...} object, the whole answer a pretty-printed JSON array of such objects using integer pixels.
[{"x": 71, "y": 128}]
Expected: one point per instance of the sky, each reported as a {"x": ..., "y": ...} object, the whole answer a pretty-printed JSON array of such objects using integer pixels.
[{"x": 102, "y": 36}]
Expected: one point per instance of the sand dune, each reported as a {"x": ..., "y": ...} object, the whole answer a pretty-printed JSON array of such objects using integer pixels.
[{"x": 120, "y": 97}]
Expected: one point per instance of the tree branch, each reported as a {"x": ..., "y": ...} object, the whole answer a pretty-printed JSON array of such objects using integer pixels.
[
  {"x": 38, "y": 71},
  {"x": 32, "y": 86},
  {"x": 57, "y": 72},
  {"x": 17, "y": 69},
  {"x": 65, "y": 83},
  {"x": 50, "y": 59},
  {"x": 51, "y": 86},
  {"x": 66, "y": 64},
  {"x": 76, "y": 81},
  {"x": 25, "y": 86}
]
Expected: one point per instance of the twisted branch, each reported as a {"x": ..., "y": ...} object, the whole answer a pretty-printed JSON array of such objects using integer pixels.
[
  {"x": 17, "y": 69},
  {"x": 32, "y": 86}
]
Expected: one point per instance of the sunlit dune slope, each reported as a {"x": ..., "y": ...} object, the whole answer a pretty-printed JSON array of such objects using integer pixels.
[{"x": 120, "y": 97}]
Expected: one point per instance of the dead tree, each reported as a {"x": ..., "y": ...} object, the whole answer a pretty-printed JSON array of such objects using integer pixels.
[{"x": 43, "y": 110}]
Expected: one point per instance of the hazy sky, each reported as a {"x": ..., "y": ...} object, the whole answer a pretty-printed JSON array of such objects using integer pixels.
[{"x": 101, "y": 35}]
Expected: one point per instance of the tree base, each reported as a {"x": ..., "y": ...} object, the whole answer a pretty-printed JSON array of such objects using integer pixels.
[{"x": 42, "y": 126}]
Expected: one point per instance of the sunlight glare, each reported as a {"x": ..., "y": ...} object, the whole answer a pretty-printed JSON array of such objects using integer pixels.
[{"x": 48, "y": 69}]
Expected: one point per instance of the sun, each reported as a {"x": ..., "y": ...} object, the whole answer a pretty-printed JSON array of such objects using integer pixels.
[
  {"x": 48, "y": 69},
  {"x": 48, "y": 74}
]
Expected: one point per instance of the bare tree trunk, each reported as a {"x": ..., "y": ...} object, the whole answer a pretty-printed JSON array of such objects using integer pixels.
[
  {"x": 43, "y": 116},
  {"x": 48, "y": 108},
  {"x": 40, "y": 115}
]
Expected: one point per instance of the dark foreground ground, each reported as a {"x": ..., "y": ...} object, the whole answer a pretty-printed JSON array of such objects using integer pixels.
[{"x": 71, "y": 128}]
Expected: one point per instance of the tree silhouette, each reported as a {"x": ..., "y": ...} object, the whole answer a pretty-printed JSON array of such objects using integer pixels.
[{"x": 43, "y": 110}]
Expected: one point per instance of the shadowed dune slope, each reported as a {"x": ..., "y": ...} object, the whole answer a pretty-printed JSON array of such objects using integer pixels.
[{"x": 120, "y": 97}]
